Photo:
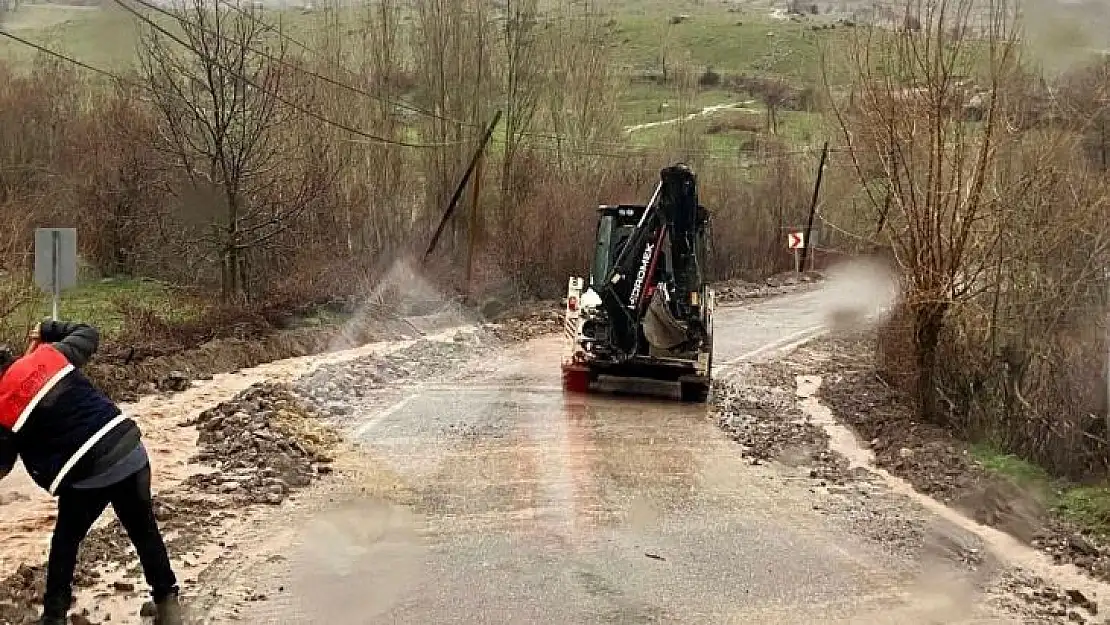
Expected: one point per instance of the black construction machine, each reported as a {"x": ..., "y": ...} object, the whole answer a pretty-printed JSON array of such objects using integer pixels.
[{"x": 646, "y": 310}]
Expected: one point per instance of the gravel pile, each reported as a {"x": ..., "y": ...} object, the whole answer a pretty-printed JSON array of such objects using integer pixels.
[
  {"x": 331, "y": 389},
  {"x": 740, "y": 290},
  {"x": 1040, "y": 602},
  {"x": 1068, "y": 546},
  {"x": 264, "y": 443},
  {"x": 527, "y": 326},
  {"x": 21, "y": 594},
  {"x": 759, "y": 412}
]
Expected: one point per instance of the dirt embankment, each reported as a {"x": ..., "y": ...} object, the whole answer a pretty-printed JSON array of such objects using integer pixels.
[
  {"x": 940, "y": 465},
  {"x": 128, "y": 373},
  {"x": 761, "y": 410}
]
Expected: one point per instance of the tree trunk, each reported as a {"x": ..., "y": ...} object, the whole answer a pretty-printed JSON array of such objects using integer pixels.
[
  {"x": 928, "y": 321},
  {"x": 232, "y": 287}
]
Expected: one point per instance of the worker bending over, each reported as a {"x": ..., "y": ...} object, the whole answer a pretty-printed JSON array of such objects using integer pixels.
[{"x": 77, "y": 445}]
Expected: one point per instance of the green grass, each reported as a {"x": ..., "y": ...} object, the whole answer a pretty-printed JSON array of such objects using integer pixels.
[
  {"x": 643, "y": 103},
  {"x": 802, "y": 128},
  {"x": 1086, "y": 506},
  {"x": 1022, "y": 472},
  {"x": 97, "y": 303},
  {"x": 741, "y": 43},
  {"x": 109, "y": 37},
  {"x": 102, "y": 38}
]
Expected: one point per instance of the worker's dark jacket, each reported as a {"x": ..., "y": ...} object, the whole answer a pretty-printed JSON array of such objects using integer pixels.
[{"x": 54, "y": 419}]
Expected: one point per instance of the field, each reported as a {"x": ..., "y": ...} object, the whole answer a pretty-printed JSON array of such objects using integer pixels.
[{"x": 721, "y": 38}]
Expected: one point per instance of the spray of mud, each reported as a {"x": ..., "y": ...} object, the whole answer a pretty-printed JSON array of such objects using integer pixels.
[
  {"x": 402, "y": 292},
  {"x": 1062, "y": 35},
  {"x": 858, "y": 293}
]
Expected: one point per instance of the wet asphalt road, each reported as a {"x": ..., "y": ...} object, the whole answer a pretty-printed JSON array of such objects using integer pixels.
[{"x": 498, "y": 499}]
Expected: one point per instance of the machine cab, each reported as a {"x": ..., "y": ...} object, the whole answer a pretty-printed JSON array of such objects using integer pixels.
[{"x": 614, "y": 225}]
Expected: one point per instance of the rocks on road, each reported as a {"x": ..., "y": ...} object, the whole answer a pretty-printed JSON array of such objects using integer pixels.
[
  {"x": 264, "y": 444},
  {"x": 738, "y": 290}
]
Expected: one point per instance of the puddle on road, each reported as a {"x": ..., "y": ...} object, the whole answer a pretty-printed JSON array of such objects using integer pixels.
[{"x": 1004, "y": 546}]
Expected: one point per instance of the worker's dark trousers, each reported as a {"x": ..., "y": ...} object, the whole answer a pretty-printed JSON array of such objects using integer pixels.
[{"x": 78, "y": 509}]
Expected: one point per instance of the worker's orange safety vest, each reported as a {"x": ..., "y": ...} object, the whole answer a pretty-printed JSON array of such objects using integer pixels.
[{"x": 27, "y": 381}]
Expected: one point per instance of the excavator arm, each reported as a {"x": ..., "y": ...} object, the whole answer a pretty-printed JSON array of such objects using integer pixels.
[{"x": 656, "y": 275}]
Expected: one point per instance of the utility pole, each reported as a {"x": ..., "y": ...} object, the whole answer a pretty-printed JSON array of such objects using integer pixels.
[
  {"x": 813, "y": 206},
  {"x": 461, "y": 186},
  {"x": 472, "y": 226}
]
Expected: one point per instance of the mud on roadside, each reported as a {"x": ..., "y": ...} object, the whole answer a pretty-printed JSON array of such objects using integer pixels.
[
  {"x": 126, "y": 376},
  {"x": 936, "y": 463},
  {"x": 730, "y": 291},
  {"x": 255, "y": 450},
  {"x": 760, "y": 410}
]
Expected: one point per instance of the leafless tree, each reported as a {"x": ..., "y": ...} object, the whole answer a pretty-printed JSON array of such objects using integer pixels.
[
  {"x": 927, "y": 172},
  {"x": 525, "y": 73},
  {"x": 452, "y": 45},
  {"x": 774, "y": 94},
  {"x": 226, "y": 120},
  {"x": 580, "y": 103}
]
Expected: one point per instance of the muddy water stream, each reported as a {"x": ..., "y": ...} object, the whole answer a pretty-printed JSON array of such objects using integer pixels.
[{"x": 1007, "y": 548}]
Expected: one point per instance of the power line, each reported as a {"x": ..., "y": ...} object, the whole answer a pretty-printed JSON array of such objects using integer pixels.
[
  {"x": 590, "y": 149},
  {"x": 296, "y": 107},
  {"x": 401, "y": 104}
]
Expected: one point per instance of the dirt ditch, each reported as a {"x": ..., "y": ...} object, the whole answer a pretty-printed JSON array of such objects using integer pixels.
[
  {"x": 761, "y": 410},
  {"x": 938, "y": 464}
]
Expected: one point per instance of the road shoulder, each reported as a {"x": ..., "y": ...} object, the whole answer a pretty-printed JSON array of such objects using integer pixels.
[{"x": 791, "y": 412}]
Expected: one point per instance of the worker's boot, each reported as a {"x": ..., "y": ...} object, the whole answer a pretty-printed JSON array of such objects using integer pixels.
[
  {"x": 54, "y": 611},
  {"x": 168, "y": 611}
]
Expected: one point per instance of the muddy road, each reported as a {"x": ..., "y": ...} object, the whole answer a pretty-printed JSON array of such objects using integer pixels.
[{"x": 492, "y": 497}]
